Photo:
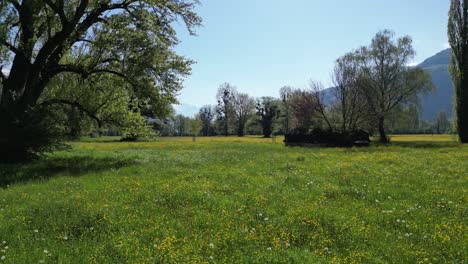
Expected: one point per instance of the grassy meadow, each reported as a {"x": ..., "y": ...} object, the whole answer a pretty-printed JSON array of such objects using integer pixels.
[{"x": 238, "y": 200}]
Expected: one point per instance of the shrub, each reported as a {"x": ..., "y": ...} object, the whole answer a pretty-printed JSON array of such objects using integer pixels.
[{"x": 328, "y": 138}]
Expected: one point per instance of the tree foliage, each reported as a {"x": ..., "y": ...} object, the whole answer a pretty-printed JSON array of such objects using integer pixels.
[
  {"x": 349, "y": 101},
  {"x": 268, "y": 110},
  {"x": 458, "y": 39},
  {"x": 302, "y": 103},
  {"x": 206, "y": 115},
  {"x": 243, "y": 106},
  {"x": 224, "y": 109},
  {"x": 385, "y": 79},
  {"x": 44, "y": 40},
  {"x": 285, "y": 98}
]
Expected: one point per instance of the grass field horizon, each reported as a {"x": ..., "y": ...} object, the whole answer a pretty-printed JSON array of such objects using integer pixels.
[{"x": 237, "y": 200}]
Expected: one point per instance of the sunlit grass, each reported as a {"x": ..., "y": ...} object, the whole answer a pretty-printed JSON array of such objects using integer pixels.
[
  {"x": 238, "y": 200},
  {"x": 421, "y": 138}
]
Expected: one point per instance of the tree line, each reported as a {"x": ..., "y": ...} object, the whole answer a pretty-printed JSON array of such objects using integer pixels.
[
  {"x": 74, "y": 67},
  {"x": 374, "y": 89},
  {"x": 71, "y": 64}
]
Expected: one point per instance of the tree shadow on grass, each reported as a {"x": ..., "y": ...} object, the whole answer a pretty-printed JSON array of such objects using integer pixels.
[
  {"x": 50, "y": 167},
  {"x": 426, "y": 144}
]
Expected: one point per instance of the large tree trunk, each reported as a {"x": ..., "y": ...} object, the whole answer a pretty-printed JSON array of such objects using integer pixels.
[
  {"x": 23, "y": 128},
  {"x": 240, "y": 129},
  {"x": 462, "y": 109},
  {"x": 382, "y": 135},
  {"x": 14, "y": 139},
  {"x": 267, "y": 129},
  {"x": 226, "y": 127}
]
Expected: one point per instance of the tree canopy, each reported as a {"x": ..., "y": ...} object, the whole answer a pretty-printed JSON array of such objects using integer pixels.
[
  {"x": 131, "y": 40},
  {"x": 458, "y": 40}
]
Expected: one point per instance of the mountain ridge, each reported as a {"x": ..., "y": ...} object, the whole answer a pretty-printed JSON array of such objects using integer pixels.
[{"x": 441, "y": 98}]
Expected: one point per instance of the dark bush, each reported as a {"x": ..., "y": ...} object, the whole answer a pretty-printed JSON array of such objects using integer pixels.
[
  {"x": 30, "y": 134},
  {"x": 327, "y": 138}
]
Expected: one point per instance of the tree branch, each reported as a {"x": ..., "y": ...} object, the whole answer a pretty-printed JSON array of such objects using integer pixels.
[
  {"x": 2, "y": 76},
  {"x": 58, "y": 11},
  {"x": 10, "y": 46},
  {"x": 76, "y": 105},
  {"x": 15, "y": 4}
]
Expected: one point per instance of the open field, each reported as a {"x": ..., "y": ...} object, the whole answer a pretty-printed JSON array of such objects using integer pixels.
[{"x": 238, "y": 200}]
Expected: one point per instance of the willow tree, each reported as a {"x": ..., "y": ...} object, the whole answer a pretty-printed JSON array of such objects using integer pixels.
[
  {"x": 243, "y": 106},
  {"x": 458, "y": 39},
  {"x": 385, "y": 79},
  {"x": 43, "y": 39}
]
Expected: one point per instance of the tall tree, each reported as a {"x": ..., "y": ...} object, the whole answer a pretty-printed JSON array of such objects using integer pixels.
[
  {"x": 43, "y": 39},
  {"x": 458, "y": 39},
  {"x": 195, "y": 125},
  {"x": 243, "y": 106},
  {"x": 224, "y": 108},
  {"x": 303, "y": 108},
  {"x": 285, "y": 97},
  {"x": 385, "y": 78},
  {"x": 347, "y": 97},
  {"x": 267, "y": 110},
  {"x": 206, "y": 115},
  {"x": 442, "y": 124},
  {"x": 181, "y": 125}
]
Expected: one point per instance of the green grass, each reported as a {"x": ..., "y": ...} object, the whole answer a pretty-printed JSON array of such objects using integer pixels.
[{"x": 237, "y": 200}]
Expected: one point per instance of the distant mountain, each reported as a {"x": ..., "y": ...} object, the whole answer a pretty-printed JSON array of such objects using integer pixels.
[{"x": 441, "y": 99}]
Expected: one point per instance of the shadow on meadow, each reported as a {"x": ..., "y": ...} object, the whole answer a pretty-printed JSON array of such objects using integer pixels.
[
  {"x": 49, "y": 167},
  {"x": 426, "y": 144}
]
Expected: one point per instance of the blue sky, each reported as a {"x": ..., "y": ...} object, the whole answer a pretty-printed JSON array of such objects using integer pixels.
[{"x": 260, "y": 45}]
